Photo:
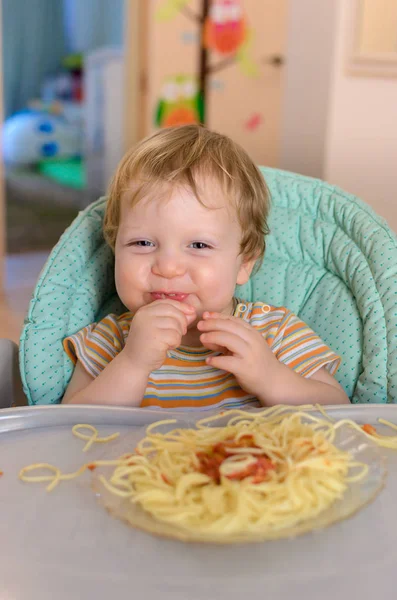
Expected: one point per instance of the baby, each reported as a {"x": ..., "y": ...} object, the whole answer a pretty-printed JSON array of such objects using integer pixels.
[{"x": 186, "y": 218}]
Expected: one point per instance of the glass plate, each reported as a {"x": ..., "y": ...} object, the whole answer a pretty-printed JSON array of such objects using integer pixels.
[{"x": 358, "y": 494}]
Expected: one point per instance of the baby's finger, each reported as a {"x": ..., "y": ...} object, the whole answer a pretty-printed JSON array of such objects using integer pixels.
[
  {"x": 234, "y": 343},
  {"x": 215, "y": 315},
  {"x": 187, "y": 309},
  {"x": 163, "y": 308},
  {"x": 216, "y": 348},
  {"x": 172, "y": 322},
  {"x": 231, "y": 364},
  {"x": 232, "y": 325},
  {"x": 171, "y": 337}
]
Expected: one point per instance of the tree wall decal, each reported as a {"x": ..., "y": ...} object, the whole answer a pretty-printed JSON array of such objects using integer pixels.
[{"x": 223, "y": 32}]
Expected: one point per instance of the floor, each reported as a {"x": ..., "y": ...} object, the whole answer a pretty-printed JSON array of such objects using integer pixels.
[
  {"x": 21, "y": 274},
  {"x": 38, "y": 210}
]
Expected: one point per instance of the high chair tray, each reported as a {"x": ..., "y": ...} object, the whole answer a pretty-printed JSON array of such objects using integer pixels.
[
  {"x": 33, "y": 417},
  {"x": 63, "y": 544}
]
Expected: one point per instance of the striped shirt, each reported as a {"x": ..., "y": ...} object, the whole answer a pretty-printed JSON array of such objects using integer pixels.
[{"x": 185, "y": 381}]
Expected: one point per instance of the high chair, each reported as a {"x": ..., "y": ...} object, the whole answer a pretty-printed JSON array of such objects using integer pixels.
[{"x": 329, "y": 258}]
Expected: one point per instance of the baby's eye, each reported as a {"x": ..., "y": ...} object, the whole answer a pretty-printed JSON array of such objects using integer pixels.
[
  {"x": 142, "y": 244},
  {"x": 200, "y": 246}
]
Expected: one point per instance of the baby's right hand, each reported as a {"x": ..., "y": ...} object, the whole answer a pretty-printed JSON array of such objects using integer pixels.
[{"x": 155, "y": 329}]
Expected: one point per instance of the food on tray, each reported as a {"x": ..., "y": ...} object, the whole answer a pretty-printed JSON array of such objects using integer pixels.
[
  {"x": 259, "y": 473},
  {"x": 237, "y": 475}
]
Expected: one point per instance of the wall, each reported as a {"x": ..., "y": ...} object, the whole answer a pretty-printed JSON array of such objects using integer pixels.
[
  {"x": 309, "y": 60},
  {"x": 361, "y": 148},
  {"x": 93, "y": 23}
]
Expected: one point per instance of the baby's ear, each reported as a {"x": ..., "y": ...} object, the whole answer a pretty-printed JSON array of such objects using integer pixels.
[{"x": 245, "y": 271}]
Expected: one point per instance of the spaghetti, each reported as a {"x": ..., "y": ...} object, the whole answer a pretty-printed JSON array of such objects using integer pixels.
[
  {"x": 57, "y": 475},
  {"x": 264, "y": 471},
  {"x": 384, "y": 441},
  {"x": 92, "y": 439},
  {"x": 261, "y": 472}
]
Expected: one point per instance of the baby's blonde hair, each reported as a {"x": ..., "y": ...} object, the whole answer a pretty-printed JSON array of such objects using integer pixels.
[{"x": 180, "y": 156}]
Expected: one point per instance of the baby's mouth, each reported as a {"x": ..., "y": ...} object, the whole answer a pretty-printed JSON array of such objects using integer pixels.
[{"x": 180, "y": 297}]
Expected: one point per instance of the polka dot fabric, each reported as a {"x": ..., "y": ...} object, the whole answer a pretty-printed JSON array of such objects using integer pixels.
[
  {"x": 329, "y": 258},
  {"x": 75, "y": 288}
]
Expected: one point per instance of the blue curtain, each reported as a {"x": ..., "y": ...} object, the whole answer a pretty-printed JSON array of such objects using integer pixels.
[
  {"x": 34, "y": 43},
  {"x": 93, "y": 23},
  {"x": 37, "y": 34}
]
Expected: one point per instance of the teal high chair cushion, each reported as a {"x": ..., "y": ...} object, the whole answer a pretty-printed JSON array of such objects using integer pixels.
[{"x": 329, "y": 259}]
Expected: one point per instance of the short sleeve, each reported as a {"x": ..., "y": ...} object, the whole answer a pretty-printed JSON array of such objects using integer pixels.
[
  {"x": 297, "y": 346},
  {"x": 96, "y": 345}
]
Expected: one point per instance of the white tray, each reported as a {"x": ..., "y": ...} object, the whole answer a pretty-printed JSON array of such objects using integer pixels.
[{"x": 63, "y": 545}]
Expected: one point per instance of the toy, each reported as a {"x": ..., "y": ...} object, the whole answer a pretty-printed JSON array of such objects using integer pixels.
[{"x": 31, "y": 136}]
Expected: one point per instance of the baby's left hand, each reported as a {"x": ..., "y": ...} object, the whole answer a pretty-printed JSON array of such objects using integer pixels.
[{"x": 245, "y": 352}]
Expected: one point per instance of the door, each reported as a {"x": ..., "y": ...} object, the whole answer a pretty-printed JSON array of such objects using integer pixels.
[
  {"x": 219, "y": 62},
  {"x": 2, "y": 202}
]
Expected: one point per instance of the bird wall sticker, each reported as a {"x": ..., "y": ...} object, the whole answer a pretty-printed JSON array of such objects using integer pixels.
[
  {"x": 225, "y": 28},
  {"x": 179, "y": 103}
]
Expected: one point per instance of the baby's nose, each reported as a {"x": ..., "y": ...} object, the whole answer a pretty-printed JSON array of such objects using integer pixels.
[{"x": 169, "y": 265}]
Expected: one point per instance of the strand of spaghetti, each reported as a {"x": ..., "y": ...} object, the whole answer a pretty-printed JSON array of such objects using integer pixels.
[
  {"x": 381, "y": 440},
  {"x": 388, "y": 423},
  {"x": 235, "y": 411},
  {"x": 114, "y": 489},
  {"x": 91, "y": 438},
  {"x": 322, "y": 411},
  {"x": 58, "y": 476},
  {"x": 384, "y": 441},
  {"x": 275, "y": 414},
  {"x": 53, "y": 478},
  {"x": 150, "y": 428}
]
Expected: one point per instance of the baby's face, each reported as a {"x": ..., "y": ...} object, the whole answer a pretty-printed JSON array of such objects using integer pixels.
[{"x": 177, "y": 248}]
